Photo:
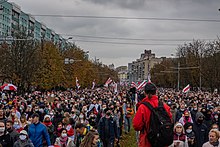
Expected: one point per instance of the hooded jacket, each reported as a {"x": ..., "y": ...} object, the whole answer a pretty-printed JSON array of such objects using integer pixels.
[
  {"x": 200, "y": 130},
  {"x": 141, "y": 119}
]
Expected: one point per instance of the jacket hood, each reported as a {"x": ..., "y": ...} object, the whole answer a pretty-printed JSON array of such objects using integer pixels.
[{"x": 199, "y": 114}]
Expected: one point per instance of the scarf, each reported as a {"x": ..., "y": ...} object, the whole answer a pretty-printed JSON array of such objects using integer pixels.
[
  {"x": 48, "y": 123},
  {"x": 63, "y": 141},
  {"x": 181, "y": 137}
]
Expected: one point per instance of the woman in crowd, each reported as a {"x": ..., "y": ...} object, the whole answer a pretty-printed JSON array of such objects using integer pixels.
[
  {"x": 213, "y": 139},
  {"x": 91, "y": 139},
  {"x": 190, "y": 134},
  {"x": 64, "y": 140},
  {"x": 23, "y": 140},
  {"x": 179, "y": 138},
  {"x": 129, "y": 113}
]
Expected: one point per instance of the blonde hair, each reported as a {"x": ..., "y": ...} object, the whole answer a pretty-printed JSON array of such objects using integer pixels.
[{"x": 214, "y": 131}]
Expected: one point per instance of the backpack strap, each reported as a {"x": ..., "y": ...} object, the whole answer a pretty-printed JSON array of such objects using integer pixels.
[{"x": 147, "y": 104}]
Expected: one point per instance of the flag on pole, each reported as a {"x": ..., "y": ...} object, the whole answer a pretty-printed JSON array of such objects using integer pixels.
[
  {"x": 93, "y": 84},
  {"x": 186, "y": 89},
  {"x": 108, "y": 82},
  {"x": 141, "y": 85},
  {"x": 133, "y": 84},
  {"x": 77, "y": 83},
  {"x": 115, "y": 87}
]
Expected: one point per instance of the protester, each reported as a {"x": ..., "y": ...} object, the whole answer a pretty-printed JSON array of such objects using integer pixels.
[
  {"x": 129, "y": 113},
  {"x": 64, "y": 140},
  {"x": 190, "y": 134},
  {"x": 81, "y": 130},
  {"x": 23, "y": 140},
  {"x": 142, "y": 116},
  {"x": 108, "y": 129},
  {"x": 200, "y": 129},
  {"x": 12, "y": 132},
  {"x": 4, "y": 137},
  {"x": 179, "y": 138},
  {"x": 213, "y": 139},
  {"x": 37, "y": 136},
  {"x": 91, "y": 139}
]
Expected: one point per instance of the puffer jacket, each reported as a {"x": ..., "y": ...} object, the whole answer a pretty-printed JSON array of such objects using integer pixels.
[{"x": 37, "y": 132}]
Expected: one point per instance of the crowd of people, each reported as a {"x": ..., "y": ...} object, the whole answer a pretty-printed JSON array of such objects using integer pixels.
[
  {"x": 195, "y": 115},
  {"x": 98, "y": 118},
  {"x": 83, "y": 118}
]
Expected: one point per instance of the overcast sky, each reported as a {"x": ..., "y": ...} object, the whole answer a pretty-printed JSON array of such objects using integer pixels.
[{"x": 122, "y": 54}]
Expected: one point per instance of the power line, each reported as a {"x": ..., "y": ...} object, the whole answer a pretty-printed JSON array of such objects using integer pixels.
[
  {"x": 121, "y": 38},
  {"x": 129, "y": 18},
  {"x": 108, "y": 42}
]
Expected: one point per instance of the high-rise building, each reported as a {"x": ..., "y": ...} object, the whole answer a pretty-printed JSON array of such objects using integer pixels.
[
  {"x": 13, "y": 19},
  {"x": 139, "y": 70}
]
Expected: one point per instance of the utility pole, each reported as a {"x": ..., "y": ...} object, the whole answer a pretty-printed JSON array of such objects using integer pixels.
[{"x": 178, "y": 82}]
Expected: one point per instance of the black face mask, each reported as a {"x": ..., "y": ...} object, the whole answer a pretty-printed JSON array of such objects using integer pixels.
[
  {"x": 108, "y": 113},
  {"x": 9, "y": 129},
  {"x": 186, "y": 117},
  {"x": 200, "y": 121}
]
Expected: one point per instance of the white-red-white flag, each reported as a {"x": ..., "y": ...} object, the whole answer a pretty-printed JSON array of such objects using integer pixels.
[
  {"x": 133, "y": 84},
  {"x": 186, "y": 89},
  {"x": 77, "y": 83},
  {"x": 93, "y": 84},
  {"x": 108, "y": 82},
  {"x": 141, "y": 85}
]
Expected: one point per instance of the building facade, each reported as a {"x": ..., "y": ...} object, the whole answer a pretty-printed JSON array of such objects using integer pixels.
[
  {"x": 139, "y": 70},
  {"x": 122, "y": 74},
  {"x": 13, "y": 19}
]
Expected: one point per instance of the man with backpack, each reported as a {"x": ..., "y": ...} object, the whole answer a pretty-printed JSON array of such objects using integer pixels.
[{"x": 154, "y": 120}]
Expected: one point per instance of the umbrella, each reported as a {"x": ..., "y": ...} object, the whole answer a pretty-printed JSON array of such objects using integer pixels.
[{"x": 9, "y": 87}]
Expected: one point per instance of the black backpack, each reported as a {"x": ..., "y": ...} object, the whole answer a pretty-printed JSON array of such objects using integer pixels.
[{"x": 160, "y": 133}]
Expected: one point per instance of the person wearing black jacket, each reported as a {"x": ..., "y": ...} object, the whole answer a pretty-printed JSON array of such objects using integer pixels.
[
  {"x": 4, "y": 137},
  {"x": 200, "y": 129},
  {"x": 107, "y": 129}
]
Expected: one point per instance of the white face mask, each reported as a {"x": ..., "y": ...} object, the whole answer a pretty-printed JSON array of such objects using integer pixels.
[
  {"x": 2, "y": 129},
  {"x": 22, "y": 137},
  {"x": 216, "y": 116},
  {"x": 64, "y": 135},
  {"x": 81, "y": 116},
  {"x": 188, "y": 130}
]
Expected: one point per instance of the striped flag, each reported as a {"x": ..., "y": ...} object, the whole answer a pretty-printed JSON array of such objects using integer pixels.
[
  {"x": 141, "y": 85},
  {"x": 186, "y": 89},
  {"x": 77, "y": 83},
  {"x": 93, "y": 84},
  {"x": 133, "y": 84},
  {"x": 108, "y": 82}
]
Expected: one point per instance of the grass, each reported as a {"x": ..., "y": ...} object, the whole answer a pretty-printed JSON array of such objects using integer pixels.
[{"x": 129, "y": 140}]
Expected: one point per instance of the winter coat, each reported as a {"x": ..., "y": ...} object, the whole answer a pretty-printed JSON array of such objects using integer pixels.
[
  {"x": 112, "y": 126},
  {"x": 38, "y": 132},
  {"x": 141, "y": 119},
  {"x": 200, "y": 130},
  {"x": 26, "y": 143},
  {"x": 5, "y": 141},
  {"x": 207, "y": 144},
  {"x": 69, "y": 142},
  {"x": 13, "y": 136}
]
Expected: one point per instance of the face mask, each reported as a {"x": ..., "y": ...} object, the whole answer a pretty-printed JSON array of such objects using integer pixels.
[
  {"x": 182, "y": 109},
  {"x": 2, "y": 129},
  {"x": 81, "y": 116},
  {"x": 16, "y": 123},
  {"x": 12, "y": 113},
  {"x": 51, "y": 114},
  {"x": 216, "y": 116},
  {"x": 22, "y": 137},
  {"x": 195, "y": 109},
  {"x": 188, "y": 130},
  {"x": 64, "y": 135},
  {"x": 108, "y": 113},
  {"x": 29, "y": 122},
  {"x": 16, "y": 126},
  {"x": 186, "y": 117},
  {"x": 215, "y": 129},
  {"x": 200, "y": 121}
]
